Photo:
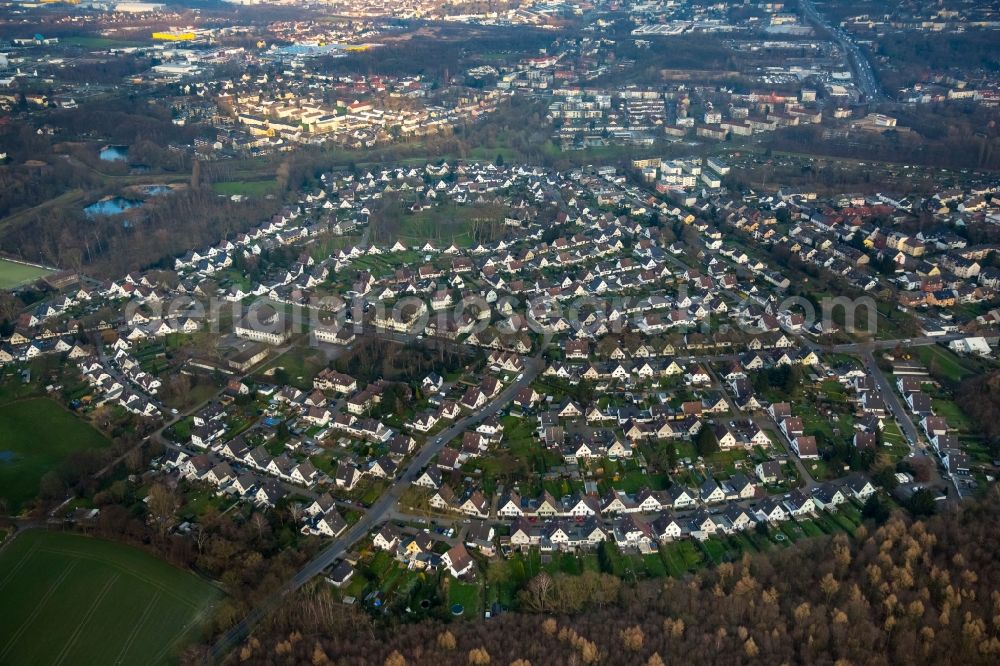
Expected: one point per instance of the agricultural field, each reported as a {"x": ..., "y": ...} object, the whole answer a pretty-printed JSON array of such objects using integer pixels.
[
  {"x": 71, "y": 599},
  {"x": 38, "y": 436},
  {"x": 14, "y": 274}
]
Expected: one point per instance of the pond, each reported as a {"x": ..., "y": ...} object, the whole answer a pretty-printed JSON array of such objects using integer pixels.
[
  {"x": 7, "y": 456},
  {"x": 118, "y": 205},
  {"x": 110, "y": 206},
  {"x": 114, "y": 153}
]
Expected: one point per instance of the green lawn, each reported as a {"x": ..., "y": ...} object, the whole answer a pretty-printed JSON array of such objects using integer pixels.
[
  {"x": 810, "y": 528},
  {"x": 13, "y": 274},
  {"x": 681, "y": 557},
  {"x": 843, "y": 521},
  {"x": 951, "y": 411},
  {"x": 38, "y": 434},
  {"x": 89, "y": 42},
  {"x": 71, "y": 599},
  {"x": 445, "y": 224},
  {"x": 248, "y": 188},
  {"x": 945, "y": 362},
  {"x": 301, "y": 364},
  {"x": 466, "y": 594}
]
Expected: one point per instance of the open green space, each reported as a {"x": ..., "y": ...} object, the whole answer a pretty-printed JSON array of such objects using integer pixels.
[
  {"x": 466, "y": 594},
  {"x": 247, "y": 188},
  {"x": 38, "y": 435},
  {"x": 299, "y": 365},
  {"x": 14, "y": 274},
  {"x": 953, "y": 413},
  {"x": 66, "y": 598},
  {"x": 944, "y": 362},
  {"x": 680, "y": 557},
  {"x": 89, "y": 42},
  {"x": 446, "y": 224}
]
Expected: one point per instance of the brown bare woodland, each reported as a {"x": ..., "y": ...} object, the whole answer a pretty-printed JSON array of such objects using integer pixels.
[{"x": 910, "y": 592}]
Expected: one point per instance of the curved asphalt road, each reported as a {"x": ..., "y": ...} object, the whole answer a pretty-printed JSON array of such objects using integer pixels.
[
  {"x": 378, "y": 511},
  {"x": 865, "y": 76}
]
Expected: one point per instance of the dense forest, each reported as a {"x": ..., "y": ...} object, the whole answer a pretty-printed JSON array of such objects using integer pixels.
[{"x": 919, "y": 592}]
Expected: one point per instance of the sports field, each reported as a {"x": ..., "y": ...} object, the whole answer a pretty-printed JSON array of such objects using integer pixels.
[
  {"x": 248, "y": 188},
  {"x": 71, "y": 599},
  {"x": 37, "y": 435},
  {"x": 13, "y": 274}
]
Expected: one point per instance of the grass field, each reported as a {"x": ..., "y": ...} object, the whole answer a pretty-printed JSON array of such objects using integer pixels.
[
  {"x": 248, "y": 188},
  {"x": 301, "y": 364},
  {"x": 13, "y": 274},
  {"x": 38, "y": 434},
  {"x": 953, "y": 367},
  {"x": 98, "y": 42},
  {"x": 70, "y": 599},
  {"x": 446, "y": 224}
]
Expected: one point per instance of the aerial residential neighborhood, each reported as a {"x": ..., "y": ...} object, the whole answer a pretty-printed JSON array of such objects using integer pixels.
[{"x": 363, "y": 332}]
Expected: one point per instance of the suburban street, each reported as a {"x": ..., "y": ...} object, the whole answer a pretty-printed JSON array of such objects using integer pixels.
[
  {"x": 380, "y": 510},
  {"x": 899, "y": 411}
]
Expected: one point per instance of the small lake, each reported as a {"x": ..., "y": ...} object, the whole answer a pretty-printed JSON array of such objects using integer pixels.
[
  {"x": 118, "y": 205},
  {"x": 7, "y": 456},
  {"x": 114, "y": 153},
  {"x": 111, "y": 206}
]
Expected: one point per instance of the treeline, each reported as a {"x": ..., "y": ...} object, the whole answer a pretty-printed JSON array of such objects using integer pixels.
[
  {"x": 373, "y": 359},
  {"x": 104, "y": 246},
  {"x": 124, "y": 120},
  {"x": 979, "y": 397},
  {"x": 45, "y": 176},
  {"x": 968, "y": 147},
  {"x": 906, "y": 592},
  {"x": 440, "y": 51},
  {"x": 909, "y": 55}
]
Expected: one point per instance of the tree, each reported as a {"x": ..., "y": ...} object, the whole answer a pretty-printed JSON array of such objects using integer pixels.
[
  {"x": 319, "y": 656},
  {"x": 875, "y": 509},
  {"x": 446, "y": 640},
  {"x": 260, "y": 524},
  {"x": 632, "y": 638},
  {"x": 51, "y": 485},
  {"x": 537, "y": 593},
  {"x": 922, "y": 503},
  {"x": 707, "y": 443},
  {"x": 162, "y": 504},
  {"x": 479, "y": 657},
  {"x": 672, "y": 456},
  {"x": 829, "y": 586}
]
